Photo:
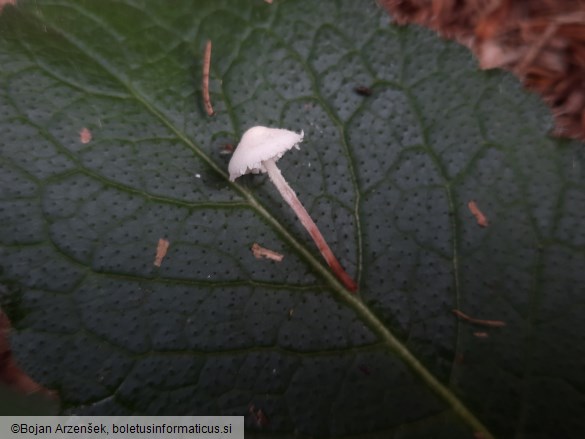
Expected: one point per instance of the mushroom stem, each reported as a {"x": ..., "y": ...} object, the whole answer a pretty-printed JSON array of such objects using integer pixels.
[{"x": 291, "y": 198}]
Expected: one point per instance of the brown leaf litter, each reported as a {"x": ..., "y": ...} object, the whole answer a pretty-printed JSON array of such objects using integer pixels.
[{"x": 540, "y": 41}]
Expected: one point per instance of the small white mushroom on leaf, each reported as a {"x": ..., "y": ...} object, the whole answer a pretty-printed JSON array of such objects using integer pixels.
[{"x": 258, "y": 151}]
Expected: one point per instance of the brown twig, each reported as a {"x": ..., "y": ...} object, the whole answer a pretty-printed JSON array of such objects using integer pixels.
[
  {"x": 492, "y": 323},
  {"x": 205, "y": 81},
  {"x": 481, "y": 219},
  {"x": 535, "y": 49},
  {"x": 261, "y": 252}
]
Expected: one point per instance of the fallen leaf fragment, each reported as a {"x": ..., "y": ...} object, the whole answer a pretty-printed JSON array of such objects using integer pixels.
[
  {"x": 261, "y": 252},
  {"x": 481, "y": 219},
  {"x": 161, "y": 251},
  {"x": 268, "y": 1},
  {"x": 85, "y": 135},
  {"x": 205, "y": 82},
  {"x": 492, "y": 323}
]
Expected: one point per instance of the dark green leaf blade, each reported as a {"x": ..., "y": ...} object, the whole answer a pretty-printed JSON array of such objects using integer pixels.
[{"x": 387, "y": 177}]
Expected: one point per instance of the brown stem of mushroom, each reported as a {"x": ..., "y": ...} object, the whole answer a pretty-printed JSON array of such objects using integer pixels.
[{"x": 291, "y": 198}]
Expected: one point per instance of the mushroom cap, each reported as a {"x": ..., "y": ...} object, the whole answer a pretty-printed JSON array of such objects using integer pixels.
[{"x": 259, "y": 144}]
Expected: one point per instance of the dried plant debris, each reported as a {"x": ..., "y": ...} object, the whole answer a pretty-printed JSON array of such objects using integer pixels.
[
  {"x": 205, "y": 79},
  {"x": 492, "y": 323},
  {"x": 541, "y": 41},
  {"x": 481, "y": 219},
  {"x": 260, "y": 252},
  {"x": 362, "y": 90},
  {"x": 85, "y": 136},
  {"x": 161, "y": 251}
]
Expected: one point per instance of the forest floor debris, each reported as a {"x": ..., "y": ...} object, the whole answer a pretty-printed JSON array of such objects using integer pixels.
[
  {"x": 541, "y": 41},
  {"x": 261, "y": 252},
  {"x": 492, "y": 323}
]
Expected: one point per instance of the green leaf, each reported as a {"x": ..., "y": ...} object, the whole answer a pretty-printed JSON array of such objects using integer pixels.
[{"x": 387, "y": 178}]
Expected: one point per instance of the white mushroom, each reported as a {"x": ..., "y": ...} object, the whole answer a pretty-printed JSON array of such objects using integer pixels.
[{"x": 258, "y": 152}]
